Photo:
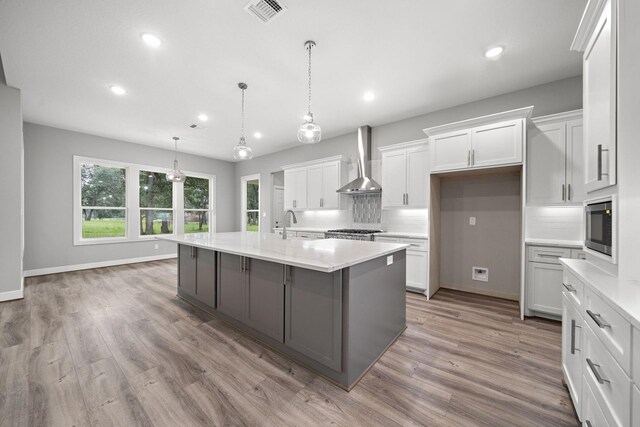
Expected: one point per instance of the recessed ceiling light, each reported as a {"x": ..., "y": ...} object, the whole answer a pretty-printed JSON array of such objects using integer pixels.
[
  {"x": 257, "y": 135},
  {"x": 151, "y": 40},
  {"x": 494, "y": 52},
  {"x": 369, "y": 96},
  {"x": 117, "y": 90},
  {"x": 203, "y": 117}
]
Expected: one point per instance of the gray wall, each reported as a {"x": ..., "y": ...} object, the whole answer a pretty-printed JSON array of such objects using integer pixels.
[
  {"x": 11, "y": 226},
  {"x": 494, "y": 242},
  {"x": 555, "y": 97},
  {"x": 49, "y": 194}
]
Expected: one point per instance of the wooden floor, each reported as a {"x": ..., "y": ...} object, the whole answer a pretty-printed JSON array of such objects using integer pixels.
[{"x": 115, "y": 346}]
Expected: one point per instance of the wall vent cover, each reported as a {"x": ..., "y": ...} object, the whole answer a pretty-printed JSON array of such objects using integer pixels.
[{"x": 265, "y": 10}]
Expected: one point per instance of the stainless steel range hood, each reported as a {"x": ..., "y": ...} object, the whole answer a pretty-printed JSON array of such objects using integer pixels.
[{"x": 363, "y": 184}]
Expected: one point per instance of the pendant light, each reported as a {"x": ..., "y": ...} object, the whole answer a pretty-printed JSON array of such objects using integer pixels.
[
  {"x": 309, "y": 132},
  {"x": 176, "y": 174},
  {"x": 242, "y": 151}
]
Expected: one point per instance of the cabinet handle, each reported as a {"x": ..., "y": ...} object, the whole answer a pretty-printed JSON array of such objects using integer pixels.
[
  {"x": 573, "y": 336},
  {"x": 469, "y": 158},
  {"x": 287, "y": 274},
  {"x": 569, "y": 192},
  {"x": 242, "y": 264},
  {"x": 599, "y": 162},
  {"x": 407, "y": 199},
  {"x": 563, "y": 193},
  {"x": 549, "y": 256},
  {"x": 598, "y": 319},
  {"x": 588, "y": 423},
  {"x": 294, "y": 203},
  {"x": 473, "y": 157},
  {"x": 194, "y": 252},
  {"x": 595, "y": 371},
  {"x": 247, "y": 264},
  {"x": 570, "y": 288}
]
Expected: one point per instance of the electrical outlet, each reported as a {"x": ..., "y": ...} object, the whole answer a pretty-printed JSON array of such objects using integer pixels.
[
  {"x": 480, "y": 274},
  {"x": 156, "y": 246},
  {"x": 390, "y": 260},
  {"x": 472, "y": 220}
]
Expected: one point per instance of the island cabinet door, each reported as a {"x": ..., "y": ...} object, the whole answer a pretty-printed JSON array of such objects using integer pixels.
[
  {"x": 231, "y": 285},
  {"x": 313, "y": 315},
  {"x": 187, "y": 260},
  {"x": 205, "y": 277},
  {"x": 265, "y": 297}
]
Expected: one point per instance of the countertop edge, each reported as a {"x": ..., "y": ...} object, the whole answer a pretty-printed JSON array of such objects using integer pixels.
[
  {"x": 578, "y": 266},
  {"x": 573, "y": 244}
]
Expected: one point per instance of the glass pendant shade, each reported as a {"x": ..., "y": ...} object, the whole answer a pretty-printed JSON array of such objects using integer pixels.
[
  {"x": 242, "y": 151},
  {"x": 176, "y": 174},
  {"x": 309, "y": 132}
]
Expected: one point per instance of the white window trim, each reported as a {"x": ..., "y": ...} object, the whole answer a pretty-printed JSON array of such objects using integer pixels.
[
  {"x": 243, "y": 211},
  {"x": 132, "y": 202}
]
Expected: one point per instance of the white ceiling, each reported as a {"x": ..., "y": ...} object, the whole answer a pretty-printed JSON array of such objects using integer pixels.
[{"x": 416, "y": 55}]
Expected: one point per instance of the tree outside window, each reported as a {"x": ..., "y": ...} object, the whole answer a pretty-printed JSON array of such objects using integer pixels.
[
  {"x": 156, "y": 203},
  {"x": 103, "y": 201},
  {"x": 196, "y": 205}
]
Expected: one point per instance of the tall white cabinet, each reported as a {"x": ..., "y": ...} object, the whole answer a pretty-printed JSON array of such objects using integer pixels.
[
  {"x": 597, "y": 39},
  {"x": 405, "y": 175},
  {"x": 555, "y": 159}
]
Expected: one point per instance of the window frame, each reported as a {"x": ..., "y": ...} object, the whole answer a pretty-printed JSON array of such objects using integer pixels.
[
  {"x": 132, "y": 207},
  {"x": 244, "y": 210}
]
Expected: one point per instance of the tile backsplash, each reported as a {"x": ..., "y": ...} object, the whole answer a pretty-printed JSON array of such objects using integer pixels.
[
  {"x": 366, "y": 208},
  {"x": 406, "y": 220},
  {"x": 554, "y": 222}
]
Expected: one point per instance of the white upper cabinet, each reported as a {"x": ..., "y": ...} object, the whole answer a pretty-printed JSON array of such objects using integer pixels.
[
  {"x": 313, "y": 185},
  {"x": 483, "y": 142},
  {"x": 597, "y": 39},
  {"x": 405, "y": 175},
  {"x": 555, "y": 160},
  {"x": 295, "y": 188}
]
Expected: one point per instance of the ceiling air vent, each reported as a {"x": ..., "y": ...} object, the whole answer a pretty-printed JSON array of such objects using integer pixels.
[{"x": 265, "y": 10}]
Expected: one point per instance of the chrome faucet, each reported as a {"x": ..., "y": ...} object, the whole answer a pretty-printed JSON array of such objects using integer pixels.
[{"x": 284, "y": 222}]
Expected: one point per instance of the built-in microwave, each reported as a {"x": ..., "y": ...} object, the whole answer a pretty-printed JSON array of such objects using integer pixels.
[{"x": 599, "y": 227}]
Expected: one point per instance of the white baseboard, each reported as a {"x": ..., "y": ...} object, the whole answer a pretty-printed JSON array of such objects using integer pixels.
[
  {"x": 65, "y": 268},
  {"x": 11, "y": 295},
  {"x": 486, "y": 292}
]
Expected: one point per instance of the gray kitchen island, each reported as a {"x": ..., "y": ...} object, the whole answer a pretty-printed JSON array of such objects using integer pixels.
[{"x": 334, "y": 306}]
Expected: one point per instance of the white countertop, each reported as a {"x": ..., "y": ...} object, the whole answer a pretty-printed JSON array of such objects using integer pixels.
[
  {"x": 324, "y": 255},
  {"x": 575, "y": 244},
  {"x": 623, "y": 295}
]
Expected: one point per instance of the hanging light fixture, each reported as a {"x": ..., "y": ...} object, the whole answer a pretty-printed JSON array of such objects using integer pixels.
[
  {"x": 176, "y": 174},
  {"x": 242, "y": 151},
  {"x": 309, "y": 132}
]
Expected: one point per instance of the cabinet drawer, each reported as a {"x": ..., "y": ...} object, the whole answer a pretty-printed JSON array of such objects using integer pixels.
[
  {"x": 610, "y": 327},
  {"x": 592, "y": 415},
  {"x": 578, "y": 254},
  {"x": 573, "y": 288},
  {"x": 547, "y": 254},
  {"x": 416, "y": 244},
  {"x": 386, "y": 239},
  {"x": 635, "y": 369},
  {"x": 307, "y": 235},
  {"x": 610, "y": 384}
]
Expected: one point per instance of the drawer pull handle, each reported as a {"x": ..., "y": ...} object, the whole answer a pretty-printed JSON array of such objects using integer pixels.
[
  {"x": 588, "y": 423},
  {"x": 569, "y": 288},
  {"x": 598, "y": 319},
  {"x": 549, "y": 256},
  {"x": 573, "y": 336},
  {"x": 595, "y": 371}
]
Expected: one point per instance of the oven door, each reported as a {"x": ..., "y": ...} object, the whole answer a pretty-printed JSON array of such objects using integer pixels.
[{"x": 599, "y": 236}]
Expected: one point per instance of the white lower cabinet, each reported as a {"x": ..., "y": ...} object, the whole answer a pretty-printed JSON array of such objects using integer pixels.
[
  {"x": 595, "y": 333},
  {"x": 544, "y": 280},
  {"x": 417, "y": 261},
  {"x": 572, "y": 350}
]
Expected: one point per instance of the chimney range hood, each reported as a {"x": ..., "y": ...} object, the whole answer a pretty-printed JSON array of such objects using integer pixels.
[{"x": 363, "y": 184}]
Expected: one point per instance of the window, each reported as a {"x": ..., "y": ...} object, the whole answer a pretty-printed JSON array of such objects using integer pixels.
[
  {"x": 103, "y": 201},
  {"x": 156, "y": 203},
  {"x": 251, "y": 203},
  {"x": 121, "y": 202},
  {"x": 196, "y": 205}
]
